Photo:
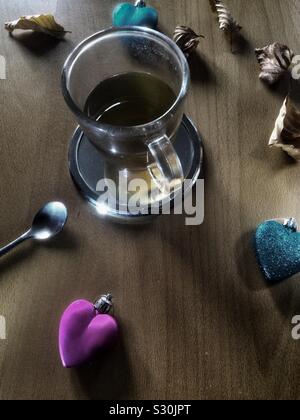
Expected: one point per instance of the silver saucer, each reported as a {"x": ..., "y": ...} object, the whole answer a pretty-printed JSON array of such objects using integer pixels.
[{"x": 87, "y": 167}]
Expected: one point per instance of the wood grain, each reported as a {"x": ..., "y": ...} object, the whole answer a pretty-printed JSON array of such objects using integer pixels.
[{"x": 197, "y": 318}]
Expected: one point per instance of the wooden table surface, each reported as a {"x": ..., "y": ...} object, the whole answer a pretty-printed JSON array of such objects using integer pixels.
[{"x": 198, "y": 320}]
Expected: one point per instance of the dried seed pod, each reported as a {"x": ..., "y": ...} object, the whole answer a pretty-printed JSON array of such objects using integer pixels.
[
  {"x": 186, "y": 39},
  {"x": 38, "y": 23},
  {"x": 274, "y": 61},
  {"x": 286, "y": 134},
  {"x": 226, "y": 21}
]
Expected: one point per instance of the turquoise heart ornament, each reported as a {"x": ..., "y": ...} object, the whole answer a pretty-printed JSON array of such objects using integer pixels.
[
  {"x": 278, "y": 250},
  {"x": 138, "y": 14}
]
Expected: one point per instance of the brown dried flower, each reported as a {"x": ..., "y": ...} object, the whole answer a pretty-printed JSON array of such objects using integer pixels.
[
  {"x": 39, "y": 23},
  {"x": 286, "y": 134},
  {"x": 274, "y": 60},
  {"x": 186, "y": 39}
]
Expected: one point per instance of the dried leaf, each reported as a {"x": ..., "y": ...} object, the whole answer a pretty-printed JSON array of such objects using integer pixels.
[
  {"x": 274, "y": 61},
  {"x": 226, "y": 21},
  {"x": 186, "y": 39},
  {"x": 286, "y": 134},
  {"x": 38, "y": 23}
]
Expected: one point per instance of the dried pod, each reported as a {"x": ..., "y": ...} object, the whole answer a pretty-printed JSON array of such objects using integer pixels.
[
  {"x": 274, "y": 61},
  {"x": 226, "y": 21},
  {"x": 186, "y": 39},
  {"x": 286, "y": 134},
  {"x": 38, "y": 23}
]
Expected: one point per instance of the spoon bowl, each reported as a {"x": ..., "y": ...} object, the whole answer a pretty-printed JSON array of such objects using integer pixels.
[{"x": 49, "y": 221}]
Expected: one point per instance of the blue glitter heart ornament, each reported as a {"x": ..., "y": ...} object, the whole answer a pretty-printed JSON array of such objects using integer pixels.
[
  {"x": 278, "y": 250},
  {"x": 138, "y": 14}
]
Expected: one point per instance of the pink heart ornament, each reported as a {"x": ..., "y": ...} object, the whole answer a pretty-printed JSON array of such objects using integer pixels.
[{"x": 83, "y": 332}]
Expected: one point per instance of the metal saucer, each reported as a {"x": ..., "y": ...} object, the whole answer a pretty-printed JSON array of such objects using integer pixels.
[{"x": 86, "y": 166}]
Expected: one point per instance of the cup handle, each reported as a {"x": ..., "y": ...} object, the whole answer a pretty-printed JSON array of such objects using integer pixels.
[{"x": 167, "y": 171}]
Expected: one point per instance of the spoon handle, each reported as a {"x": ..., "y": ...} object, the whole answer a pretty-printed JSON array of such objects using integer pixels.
[{"x": 13, "y": 244}]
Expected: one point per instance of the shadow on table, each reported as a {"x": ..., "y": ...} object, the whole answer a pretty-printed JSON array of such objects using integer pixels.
[
  {"x": 247, "y": 263},
  {"x": 266, "y": 329},
  {"x": 281, "y": 160},
  {"x": 16, "y": 257},
  {"x": 273, "y": 157},
  {"x": 108, "y": 378},
  {"x": 201, "y": 71},
  {"x": 65, "y": 241},
  {"x": 281, "y": 88},
  {"x": 241, "y": 45},
  {"x": 283, "y": 293},
  {"x": 37, "y": 43}
]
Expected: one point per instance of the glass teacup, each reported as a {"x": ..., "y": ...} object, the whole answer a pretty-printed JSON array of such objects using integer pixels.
[{"x": 150, "y": 64}]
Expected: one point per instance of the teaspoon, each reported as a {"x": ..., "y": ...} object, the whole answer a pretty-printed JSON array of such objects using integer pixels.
[{"x": 48, "y": 222}]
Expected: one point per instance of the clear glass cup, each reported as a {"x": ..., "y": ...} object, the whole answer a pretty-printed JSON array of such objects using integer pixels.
[{"x": 137, "y": 149}]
